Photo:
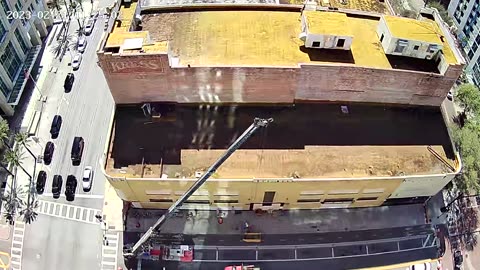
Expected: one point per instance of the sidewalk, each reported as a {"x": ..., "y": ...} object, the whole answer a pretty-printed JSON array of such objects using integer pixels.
[{"x": 293, "y": 221}]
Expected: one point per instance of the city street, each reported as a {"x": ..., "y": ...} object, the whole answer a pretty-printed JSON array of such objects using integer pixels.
[{"x": 66, "y": 235}]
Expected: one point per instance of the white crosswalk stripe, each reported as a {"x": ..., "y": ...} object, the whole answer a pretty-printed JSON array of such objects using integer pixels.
[
  {"x": 70, "y": 212},
  {"x": 110, "y": 250},
  {"x": 17, "y": 245}
]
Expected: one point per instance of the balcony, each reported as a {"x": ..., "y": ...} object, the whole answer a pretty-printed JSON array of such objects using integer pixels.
[{"x": 21, "y": 80}]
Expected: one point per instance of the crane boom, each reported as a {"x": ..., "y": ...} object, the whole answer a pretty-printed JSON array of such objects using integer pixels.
[{"x": 257, "y": 123}]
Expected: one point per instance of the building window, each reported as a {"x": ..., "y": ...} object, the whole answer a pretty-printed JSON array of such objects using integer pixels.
[
  {"x": 474, "y": 47},
  {"x": 161, "y": 200},
  {"x": 268, "y": 198},
  {"x": 18, "y": 6},
  {"x": 225, "y": 201},
  {"x": 3, "y": 32},
  {"x": 308, "y": 200},
  {"x": 341, "y": 42},
  {"x": 198, "y": 201},
  {"x": 367, "y": 199},
  {"x": 21, "y": 41},
  {"x": 416, "y": 47},
  {"x": 345, "y": 200},
  {"x": 10, "y": 61},
  {"x": 432, "y": 48},
  {"x": 4, "y": 88},
  {"x": 381, "y": 37},
  {"x": 470, "y": 54},
  {"x": 401, "y": 45},
  {"x": 316, "y": 44},
  {"x": 6, "y": 7}
]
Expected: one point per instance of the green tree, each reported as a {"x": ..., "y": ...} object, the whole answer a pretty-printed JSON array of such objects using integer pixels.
[
  {"x": 4, "y": 136},
  {"x": 441, "y": 11},
  {"x": 469, "y": 97},
  {"x": 468, "y": 144}
]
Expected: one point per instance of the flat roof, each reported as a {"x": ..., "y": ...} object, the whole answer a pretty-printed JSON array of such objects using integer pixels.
[
  {"x": 426, "y": 31},
  {"x": 305, "y": 140},
  {"x": 331, "y": 23}
]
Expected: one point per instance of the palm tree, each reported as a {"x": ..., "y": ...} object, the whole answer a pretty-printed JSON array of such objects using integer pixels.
[
  {"x": 15, "y": 157},
  {"x": 13, "y": 202},
  {"x": 4, "y": 133},
  {"x": 29, "y": 214},
  {"x": 56, "y": 5},
  {"x": 59, "y": 47}
]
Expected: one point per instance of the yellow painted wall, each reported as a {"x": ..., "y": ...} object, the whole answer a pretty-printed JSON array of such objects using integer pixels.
[{"x": 287, "y": 191}]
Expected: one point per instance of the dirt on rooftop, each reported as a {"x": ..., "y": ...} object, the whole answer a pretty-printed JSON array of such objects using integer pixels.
[{"x": 305, "y": 140}]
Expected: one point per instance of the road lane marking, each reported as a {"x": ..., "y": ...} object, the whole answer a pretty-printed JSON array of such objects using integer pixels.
[
  {"x": 4, "y": 257},
  {"x": 110, "y": 250},
  {"x": 85, "y": 196},
  {"x": 17, "y": 245},
  {"x": 45, "y": 206}
]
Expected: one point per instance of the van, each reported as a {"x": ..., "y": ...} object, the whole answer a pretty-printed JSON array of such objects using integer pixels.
[
  {"x": 77, "y": 150},
  {"x": 56, "y": 125}
]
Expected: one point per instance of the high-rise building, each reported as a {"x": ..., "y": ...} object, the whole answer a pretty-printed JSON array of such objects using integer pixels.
[
  {"x": 23, "y": 24},
  {"x": 465, "y": 14}
]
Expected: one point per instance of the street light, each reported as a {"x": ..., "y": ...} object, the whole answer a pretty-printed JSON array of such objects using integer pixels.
[{"x": 29, "y": 76}]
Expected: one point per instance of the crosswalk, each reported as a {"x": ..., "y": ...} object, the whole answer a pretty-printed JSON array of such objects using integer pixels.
[
  {"x": 17, "y": 245},
  {"x": 110, "y": 250},
  {"x": 67, "y": 211}
]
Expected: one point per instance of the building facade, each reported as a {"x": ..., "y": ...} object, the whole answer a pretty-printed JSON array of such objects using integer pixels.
[
  {"x": 465, "y": 17},
  {"x": 187, "y": 82},
  {"x": 23, "y": 24}
]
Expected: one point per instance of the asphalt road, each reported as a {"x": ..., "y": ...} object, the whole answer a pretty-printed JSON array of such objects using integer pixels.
[{"x": 52, "y": 242}]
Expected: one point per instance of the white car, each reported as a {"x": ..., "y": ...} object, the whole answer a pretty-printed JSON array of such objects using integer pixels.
[
  {"x": 89, "y": 27},
  {"x": 77, "y": 59},
  {"x": 420, "y": 266},
  {"x": 87, "y": 178},
  {"x": 81, "y": 44}
]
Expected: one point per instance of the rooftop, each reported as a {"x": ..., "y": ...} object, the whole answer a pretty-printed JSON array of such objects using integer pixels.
[
  {"x": 387, "y": 141},
  {"x": 229, "y": 38},
  {"x": 427, "y": 31},
  {"x": 332, "y": 23}
]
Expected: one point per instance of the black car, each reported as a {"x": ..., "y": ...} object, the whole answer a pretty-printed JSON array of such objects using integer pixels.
[
  {"x": 41, "y": 180},
  {"x": 48, "y": 153},
  {"x": 57, "y": 186},
  {"x": 77, "y": 150},
  {"x": 56, "y": 125},
  {"x": 70, "y": 188},
  {"x": 69, "y": 82}
]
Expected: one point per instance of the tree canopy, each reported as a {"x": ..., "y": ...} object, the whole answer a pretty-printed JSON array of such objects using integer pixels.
[{"x": 467, "y": 138}]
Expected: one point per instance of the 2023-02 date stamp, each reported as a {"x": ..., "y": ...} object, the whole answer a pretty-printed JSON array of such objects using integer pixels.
[{"x": 45, "y": 14}]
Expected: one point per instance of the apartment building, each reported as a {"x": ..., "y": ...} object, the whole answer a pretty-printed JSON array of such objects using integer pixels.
[
  {"x": 465, "y": 17},
  {"x": 354, "y": 95},
  {"x": 23, "y": 24}
]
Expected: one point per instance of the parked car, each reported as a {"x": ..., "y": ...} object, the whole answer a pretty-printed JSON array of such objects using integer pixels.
[
  {"x": 81, "y": 44},
  {"x": 48, "y": 153},
  {"x": 77, "y": 150},
  {"x": 41, "y": 180},
  {"x": 89, "y": 26},
  {"x": 57, "y": 186},
  {"x": 56, "y": 125},
  {"x": 87, "y": 178},
  {"x": 420, "y": 266},
  {"x": 67, "y": 85},
  {"x": 70, "y": 188},
  {"x": 76, "y": 61},
  {"x": 458, "y": 259},
  {"x": 450, "y": 95}
]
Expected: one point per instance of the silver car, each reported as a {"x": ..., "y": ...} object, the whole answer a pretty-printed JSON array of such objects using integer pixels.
[
  {"x": 87, "y": 178},
  {"x": 89, "y": 27},
  {"x": 81, "y": 44},
  {"x": 77, "y": 59}
]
